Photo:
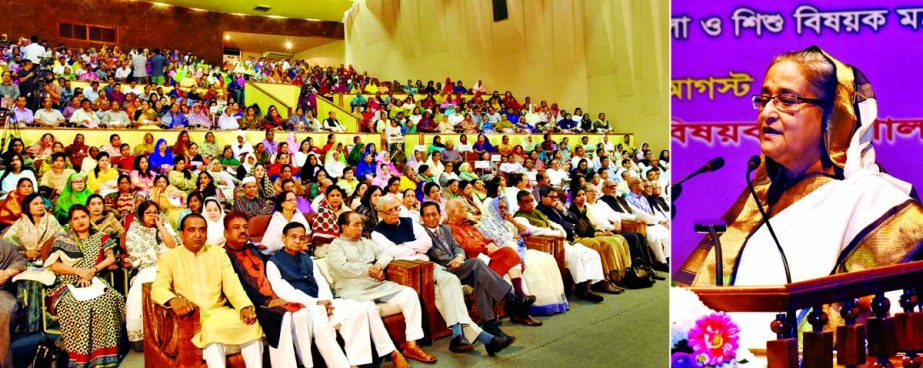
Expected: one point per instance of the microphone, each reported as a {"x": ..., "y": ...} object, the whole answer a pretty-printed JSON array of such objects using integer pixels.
[
  {"x": 752, "y": 165},
  {"x": 712, "y": 165}
]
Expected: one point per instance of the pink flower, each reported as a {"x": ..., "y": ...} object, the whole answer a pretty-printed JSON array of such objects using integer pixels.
[{"x": 715, "y": 336}]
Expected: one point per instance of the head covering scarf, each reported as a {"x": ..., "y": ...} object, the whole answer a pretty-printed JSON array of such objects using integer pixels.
[
  {"x": 69, "y": 197},
  {"x": 157, "y": 160},
  {"x": 308, "y": 170},
  {"x": 215, "y": 228},
  {"x": 381, "y": 160},
  {"x": 246, "y": 162},
  {"x": 493, "y": 225},
  {"x": 333, "y": 165},
  {"x": 381, "y": 176},
  {"x": 365, "y": 169}
]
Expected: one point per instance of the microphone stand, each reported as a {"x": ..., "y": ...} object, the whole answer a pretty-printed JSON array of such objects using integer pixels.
[{"x": 759, "y": 205}]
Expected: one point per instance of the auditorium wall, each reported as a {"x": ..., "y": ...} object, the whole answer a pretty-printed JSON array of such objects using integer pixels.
[
  {"x": 143, "y": 24},
  {"x": 333, "y": 53},
  {"x": 603, "y": 56}
]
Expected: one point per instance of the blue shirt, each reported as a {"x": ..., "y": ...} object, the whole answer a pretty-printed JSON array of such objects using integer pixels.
[
  {"x": 157, "y": 64},
  {"x": 175, "y": 121},
  {"x": 640, "y": 202}
]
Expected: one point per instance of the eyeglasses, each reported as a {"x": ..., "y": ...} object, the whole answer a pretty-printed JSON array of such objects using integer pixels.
[{"x": 785, "y": 102}]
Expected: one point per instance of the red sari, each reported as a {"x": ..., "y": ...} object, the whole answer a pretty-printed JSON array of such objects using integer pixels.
[{"x": 471, "y": 240}]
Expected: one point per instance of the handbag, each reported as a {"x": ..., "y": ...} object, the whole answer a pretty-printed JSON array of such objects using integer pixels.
[
  {"x": 638, "y": 276},
  {"x": 46, "y": 354}
]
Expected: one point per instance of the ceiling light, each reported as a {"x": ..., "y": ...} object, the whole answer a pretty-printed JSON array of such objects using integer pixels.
[
  {"x": 227, "y": 37},
  {"x": 288, "y": 44}
]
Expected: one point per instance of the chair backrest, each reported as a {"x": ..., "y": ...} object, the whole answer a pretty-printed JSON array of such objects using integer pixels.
[{"x": 257, "y": 227}]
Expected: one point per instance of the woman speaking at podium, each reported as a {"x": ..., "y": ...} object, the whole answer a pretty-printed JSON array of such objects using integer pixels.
[{"x": 832, "y": 207}]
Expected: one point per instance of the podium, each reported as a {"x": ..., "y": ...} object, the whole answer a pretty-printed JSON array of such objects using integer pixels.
[{"x": 867, "y": 336}]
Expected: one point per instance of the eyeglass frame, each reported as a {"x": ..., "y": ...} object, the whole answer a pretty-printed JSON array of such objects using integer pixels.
[{"x": 784, "y": 108}]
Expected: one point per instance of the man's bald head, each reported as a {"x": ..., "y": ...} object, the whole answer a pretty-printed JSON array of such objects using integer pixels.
[
  {"x": 636, "y": 185},
  {"x": 455, "y": 210}
]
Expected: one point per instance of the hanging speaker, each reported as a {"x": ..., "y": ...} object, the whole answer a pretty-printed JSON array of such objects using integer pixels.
[{"x": 500, "y": 12}]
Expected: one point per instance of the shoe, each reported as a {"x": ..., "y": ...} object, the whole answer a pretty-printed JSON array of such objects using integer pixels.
[
  {"x": 606, "y": 287},
  {"x": 137, "y": 346},
  {"x": 518, "y": 304},
  {"x": 663, "y": 267},
  {"x": 398, "y": 360},
  {"x": 498, "y": 343},
  {"x": 493, "y": 327},
  {"x": 527, "y": 320},
  {"x": 417, "y": 353},
  {"x": 460, "y": 344},
  {"x": 588, "y": 295},
  {"x": 658, "y": 277}
]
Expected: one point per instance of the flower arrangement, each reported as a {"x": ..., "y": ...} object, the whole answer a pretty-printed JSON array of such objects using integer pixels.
[{"x": 701, "y": 337}]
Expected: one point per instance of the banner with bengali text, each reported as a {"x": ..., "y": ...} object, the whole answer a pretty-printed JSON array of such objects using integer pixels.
[{"x": 720, "y": 52}]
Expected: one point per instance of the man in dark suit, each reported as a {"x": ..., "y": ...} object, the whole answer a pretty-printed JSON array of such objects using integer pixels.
[{"x": 489, "y": 288}]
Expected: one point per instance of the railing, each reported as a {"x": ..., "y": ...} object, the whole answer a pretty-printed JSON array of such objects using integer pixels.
[
  {"x": 881, "y": 340},
  {"x": 260, "y": 98},
  {"x": 346, "y": 118}
]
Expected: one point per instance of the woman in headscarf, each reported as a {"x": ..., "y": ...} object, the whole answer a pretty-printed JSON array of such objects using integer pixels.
[
  {"x": 309, "y": 169},
  {"x": 35, "y": 227},
  {"x": 368, "y": 208},
  {"x": 541, "y": 274},
  {"x": 819, "y": 184},
  {"x": 147, "y": 238},
  {"x": 75, "y": 192},
  {"x": 145, "y": 148},
  {"x": 333, "y": 165},
  {"x": 435, "y": 164},
  {"x": 214, "y": 216},
  {"x": 11, "y": 209},
  {"x": 90, "y": 329},
  {"x": 161, "y": 158},
  {"x": 464, "y": 172},
  {"x": 483, "y": 144},
  {"x": 382, "y": 176},
  {"x": 384, "y": 157},
  {"x": 223, "y": 180},
  {"x": 198, "y": 119},
  {"x": 472, "y": 202},
  {"x": 265, "y": 188},
  {"x": 417, "y": 158},
  {"x": 366, "y": 168}
]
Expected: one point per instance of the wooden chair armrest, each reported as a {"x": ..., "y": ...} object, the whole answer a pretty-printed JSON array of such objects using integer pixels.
[
  {"x": 551, "y": 245},
  {"x": 634, "y": 227},
  {"x": 419, "y": 276},
  {"x": 167, "y": 335},
  {"x": 406, "y": 273}
]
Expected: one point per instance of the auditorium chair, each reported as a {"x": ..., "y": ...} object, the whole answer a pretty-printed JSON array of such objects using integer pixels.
[
  {"x": 168, "y": 337},
  {"x": 256, "y": 227}
]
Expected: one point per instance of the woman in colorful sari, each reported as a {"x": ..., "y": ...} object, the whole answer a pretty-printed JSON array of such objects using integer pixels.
[
  {"x": 102, "y": 179},
  {"x": 541, "y": 274},
  {"x": 324, "y": 226},
  {"x": 75, "y": 192},
  {"x": 29, "y": 233},
  {"x": 148, "y": 236},
  {"x": 483, "y": 145},
  {"x": 820, "y": 185},
  {"x": 122, "y": 202},
  {"x": 11, "y": 207},
  {"x": 181, "y": 177},
  {"x": 102, "y": 220},
  {"x": 169, "y": 199},
  {"x": 91, "y": 325},
  {"x": 161, "y": 158}
]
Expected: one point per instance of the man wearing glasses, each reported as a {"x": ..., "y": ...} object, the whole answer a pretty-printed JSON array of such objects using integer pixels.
[
  {"x": 654, "y": 219},
  {"x": 358, "y": 266}
]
